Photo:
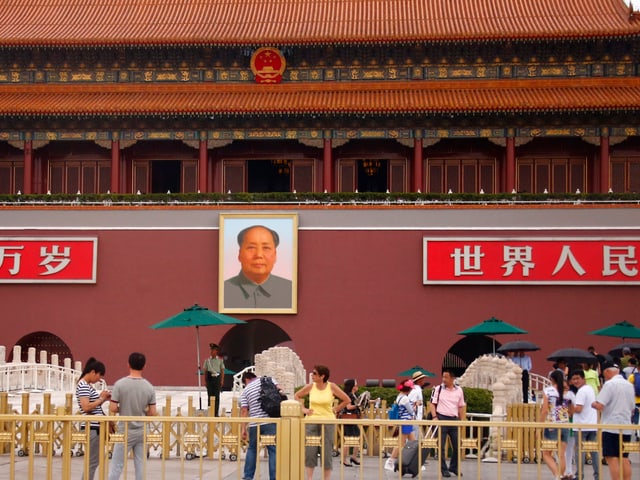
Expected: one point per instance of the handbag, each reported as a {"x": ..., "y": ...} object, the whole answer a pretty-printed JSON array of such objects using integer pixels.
[{"x": 349, "y": 415}]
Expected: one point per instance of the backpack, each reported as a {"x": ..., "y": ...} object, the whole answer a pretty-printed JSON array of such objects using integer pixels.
[
  {"x": 636, "y": 382},
  {"x": 434, "y": 400},
  {"x": 394, "y": 411},
  {"x": 270, "y": 397}
]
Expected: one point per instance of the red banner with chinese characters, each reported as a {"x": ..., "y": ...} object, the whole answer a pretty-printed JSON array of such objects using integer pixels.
[
  {"x": 48, "y": 259},
  {"x": 544, "y": 261}
]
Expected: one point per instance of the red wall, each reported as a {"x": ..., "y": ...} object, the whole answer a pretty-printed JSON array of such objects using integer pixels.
[{"x": 362, "y": 307}]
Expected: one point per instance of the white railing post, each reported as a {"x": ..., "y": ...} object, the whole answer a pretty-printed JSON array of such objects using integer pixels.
[
  {"x": 17, "y": 354},
  {"x": 32, "y": 375}
]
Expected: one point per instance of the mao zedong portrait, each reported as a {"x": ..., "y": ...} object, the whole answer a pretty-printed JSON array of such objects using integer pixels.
[{"x": 255, "y": 286}]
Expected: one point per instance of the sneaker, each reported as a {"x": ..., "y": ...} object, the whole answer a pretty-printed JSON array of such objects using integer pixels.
[{"x": 390, "y": 464}]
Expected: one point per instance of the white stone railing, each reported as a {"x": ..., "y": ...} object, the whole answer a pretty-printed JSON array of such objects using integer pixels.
[
  {"x": 19, "y": 376},
  {"x": 281, "y": 363},
  {"x": 537, "y": 383},
  {"x": 237, "y": 380},
  {"x": 284, "y": 365},
  {"x": 504, "y": 379}
]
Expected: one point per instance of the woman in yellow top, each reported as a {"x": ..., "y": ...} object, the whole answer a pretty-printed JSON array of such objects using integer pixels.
[
  {"x": 321, "y": 393},
  {"x": 591, "y": 376}
]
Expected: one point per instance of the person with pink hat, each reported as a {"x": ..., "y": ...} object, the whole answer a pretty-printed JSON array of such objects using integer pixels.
[{"x": 405, "y": 412}]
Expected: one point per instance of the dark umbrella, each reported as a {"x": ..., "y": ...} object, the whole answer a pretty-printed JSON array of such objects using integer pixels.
[
  {"x": 197, "y": 316},
  {"x": 410, "y": 371},
  {"x": 572, "y": 355},
  {"x": 617, "y": 350},
  {"x": 621, "y": 330},
  {"x": 518, "y": 346},
  {"x": 491, "y": 327}
]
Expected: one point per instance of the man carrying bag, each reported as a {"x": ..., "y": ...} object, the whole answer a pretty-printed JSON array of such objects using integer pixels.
[{"x": 447, "y": 403}]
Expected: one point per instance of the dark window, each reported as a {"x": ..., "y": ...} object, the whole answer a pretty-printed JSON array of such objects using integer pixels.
[
  {"x": 165, "y": 176},
  {"x": 269, "y": 175},
  {"x": 372, "y": 175}
]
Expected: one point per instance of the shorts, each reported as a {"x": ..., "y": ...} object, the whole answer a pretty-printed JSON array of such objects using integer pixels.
[
  {"x": 611, "y": 444},
  {"x": 327, "y": 432},
  {"x": 552, "y": 434},
  {"x": 406, "y": 429}
]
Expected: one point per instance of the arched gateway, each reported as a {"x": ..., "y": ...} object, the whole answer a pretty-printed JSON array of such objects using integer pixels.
[
  {"x": 48, "y": 341},
  {"x": 240, "y": 344}
]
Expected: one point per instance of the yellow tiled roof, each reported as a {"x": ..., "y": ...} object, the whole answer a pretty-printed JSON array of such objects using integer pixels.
[
  {"x": 383, "y": 98},
  {"x": 282, "y": 22}
]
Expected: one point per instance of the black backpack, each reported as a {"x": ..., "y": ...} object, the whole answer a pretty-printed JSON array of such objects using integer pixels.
[{"x": 270, "y": 397}]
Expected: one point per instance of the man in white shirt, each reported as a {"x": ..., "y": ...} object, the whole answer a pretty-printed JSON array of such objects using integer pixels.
[
  {"x": 616, "y": 402},
  {"x": 416, "y": 397},
  {"x": 584, "y": 413}
]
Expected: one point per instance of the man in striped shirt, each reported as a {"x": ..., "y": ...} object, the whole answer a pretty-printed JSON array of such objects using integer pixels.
[{"x": 250, "y": 407}]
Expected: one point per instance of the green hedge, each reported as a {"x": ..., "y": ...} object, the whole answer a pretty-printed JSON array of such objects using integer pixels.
[
  {"x": 478, "y": 400},
  {"x": 311, "y": 198}
]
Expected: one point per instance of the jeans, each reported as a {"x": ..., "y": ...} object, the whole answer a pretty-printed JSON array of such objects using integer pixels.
[
  {"x": 586, "y": 437},
  {"x": 94, "y": 453},
  {"x": 135, "y": 441},
  {"x": 452, "y": 433},
  {"x": 252, "y": 451}
]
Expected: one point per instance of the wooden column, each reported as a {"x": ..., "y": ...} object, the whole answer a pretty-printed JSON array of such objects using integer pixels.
[
  {"x": 27, "y": 186},
  {"x": 417, "y": 165},
  {"x": 510, "y": 174},
  {"x": 202, "y": 164},
  {"x": 216, "y": 173},
  {"x": 115, "y": 164},
  {"x": 605, "y": 163},
  {"x": 327, "y": 166}
]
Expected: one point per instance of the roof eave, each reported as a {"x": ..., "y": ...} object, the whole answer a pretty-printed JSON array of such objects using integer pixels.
[{"x": 306, "y": 42}]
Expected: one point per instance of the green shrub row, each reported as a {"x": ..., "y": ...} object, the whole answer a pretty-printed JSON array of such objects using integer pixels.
[
  {"x": 311, "y": 197},
  {"x": 478, "y": 400}
]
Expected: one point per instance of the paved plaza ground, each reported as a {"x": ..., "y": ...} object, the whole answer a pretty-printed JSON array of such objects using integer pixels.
[{"x": 371, "y": 468}]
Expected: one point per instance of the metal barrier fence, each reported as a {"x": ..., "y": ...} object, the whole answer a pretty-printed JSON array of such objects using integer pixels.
[{"x": 54, "y": 446}]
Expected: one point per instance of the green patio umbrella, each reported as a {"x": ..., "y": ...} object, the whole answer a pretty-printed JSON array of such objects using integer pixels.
[
  {"x": 197, "y": 316},
  {"x": 621, "y": 330},
  {"x": 490, "y": 327},
  {"x": 410, "y": 371}
]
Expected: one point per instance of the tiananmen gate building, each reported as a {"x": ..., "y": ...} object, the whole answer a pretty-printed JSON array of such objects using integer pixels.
[{"x": 323, "y": 96}]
